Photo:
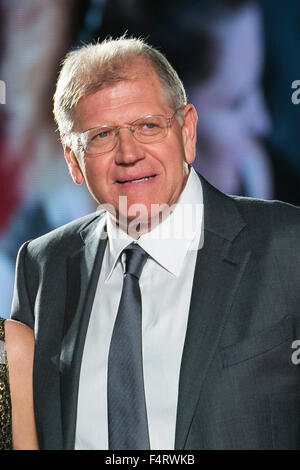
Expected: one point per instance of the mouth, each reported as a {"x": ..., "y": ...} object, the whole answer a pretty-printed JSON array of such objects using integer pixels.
[{"x": 136, "y": 180}]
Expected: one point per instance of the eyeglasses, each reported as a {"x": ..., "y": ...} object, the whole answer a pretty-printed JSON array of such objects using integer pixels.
[{"x": 147, "y": 130}]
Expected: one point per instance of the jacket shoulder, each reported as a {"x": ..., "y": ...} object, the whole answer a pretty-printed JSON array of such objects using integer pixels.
[
  {"x": 65, "y": 238},
  {"x": 277, "y": 219}
]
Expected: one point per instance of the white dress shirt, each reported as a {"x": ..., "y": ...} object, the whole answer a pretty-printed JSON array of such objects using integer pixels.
[{"x": 166, "y": 284}]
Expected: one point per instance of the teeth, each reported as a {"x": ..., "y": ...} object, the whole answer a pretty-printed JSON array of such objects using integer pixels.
[
  {"x": 137, "y": 180},
  {"x": 141, "y": 179}
]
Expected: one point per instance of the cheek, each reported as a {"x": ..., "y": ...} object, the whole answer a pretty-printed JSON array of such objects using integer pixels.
[
  {"x": 94, "y": 169},
  {"x": 96, "y": 176}
]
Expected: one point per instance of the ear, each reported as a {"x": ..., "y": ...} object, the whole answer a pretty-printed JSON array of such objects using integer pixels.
[
  {"x": 72, "y": 162},
  {"x": 189, "y": 132}
]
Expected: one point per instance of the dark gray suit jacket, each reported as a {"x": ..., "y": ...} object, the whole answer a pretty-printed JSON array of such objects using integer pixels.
[{"x": 238, "y": 388}]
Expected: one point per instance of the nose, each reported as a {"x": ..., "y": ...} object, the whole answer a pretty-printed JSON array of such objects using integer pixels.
[{"x": 128, "y": 149}]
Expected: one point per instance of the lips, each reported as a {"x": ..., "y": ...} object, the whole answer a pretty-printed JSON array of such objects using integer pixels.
[{"x": 135, "y": 179}]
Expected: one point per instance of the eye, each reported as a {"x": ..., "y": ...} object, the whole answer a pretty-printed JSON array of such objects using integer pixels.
[
  {"x": 104, "y": 134},
  {"x": 101, "y": 134},
  {"x": 148, "y": 127}
]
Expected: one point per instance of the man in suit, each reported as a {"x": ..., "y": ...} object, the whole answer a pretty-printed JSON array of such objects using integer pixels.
[{"x": 210, "y": 365}]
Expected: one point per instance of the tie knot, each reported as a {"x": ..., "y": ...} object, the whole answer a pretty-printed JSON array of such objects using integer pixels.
[{"x": 136, "y": 257}]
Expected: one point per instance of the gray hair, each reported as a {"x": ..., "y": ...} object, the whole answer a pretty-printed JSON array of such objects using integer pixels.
[{"x": 95, "y": 66}]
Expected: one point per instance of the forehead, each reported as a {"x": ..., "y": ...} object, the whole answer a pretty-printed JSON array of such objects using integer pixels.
[{"x": 140, "y": 94}]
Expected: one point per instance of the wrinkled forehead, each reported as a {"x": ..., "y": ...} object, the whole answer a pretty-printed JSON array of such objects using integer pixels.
[
  {"x": 133, "y": 69},
  {"x": 141, "y": 84},
  {"x": 126, "y": 100}
]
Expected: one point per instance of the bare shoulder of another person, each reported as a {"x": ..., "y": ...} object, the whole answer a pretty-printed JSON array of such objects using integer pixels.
[{"x": 19, "y": 339}]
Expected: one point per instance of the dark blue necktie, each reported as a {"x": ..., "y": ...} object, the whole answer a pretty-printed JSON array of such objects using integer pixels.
[{"x": 127, "y": 415}]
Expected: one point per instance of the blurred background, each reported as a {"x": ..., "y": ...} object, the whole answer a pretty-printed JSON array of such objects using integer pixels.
[{"x": 237, "y": 59}]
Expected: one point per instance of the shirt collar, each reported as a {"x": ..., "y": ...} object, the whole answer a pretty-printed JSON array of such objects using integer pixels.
[{"x": 178, "y": 233}]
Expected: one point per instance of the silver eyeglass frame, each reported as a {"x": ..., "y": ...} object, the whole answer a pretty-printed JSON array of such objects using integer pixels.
[{"x": 116, "y": 129}]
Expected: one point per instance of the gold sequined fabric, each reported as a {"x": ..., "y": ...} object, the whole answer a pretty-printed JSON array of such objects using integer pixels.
[{"x": 5, "y": 401}]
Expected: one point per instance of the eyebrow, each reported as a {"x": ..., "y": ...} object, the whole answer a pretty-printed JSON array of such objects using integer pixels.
[{"x": 117, "y": 125}]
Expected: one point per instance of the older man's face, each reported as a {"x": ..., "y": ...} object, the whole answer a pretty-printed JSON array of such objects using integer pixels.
[{"x": 164, "y": 161}]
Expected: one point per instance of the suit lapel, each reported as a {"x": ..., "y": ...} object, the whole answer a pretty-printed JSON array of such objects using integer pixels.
[
  {"x": 219, "y": 268},
  {"x": 83, "y": 272}
]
